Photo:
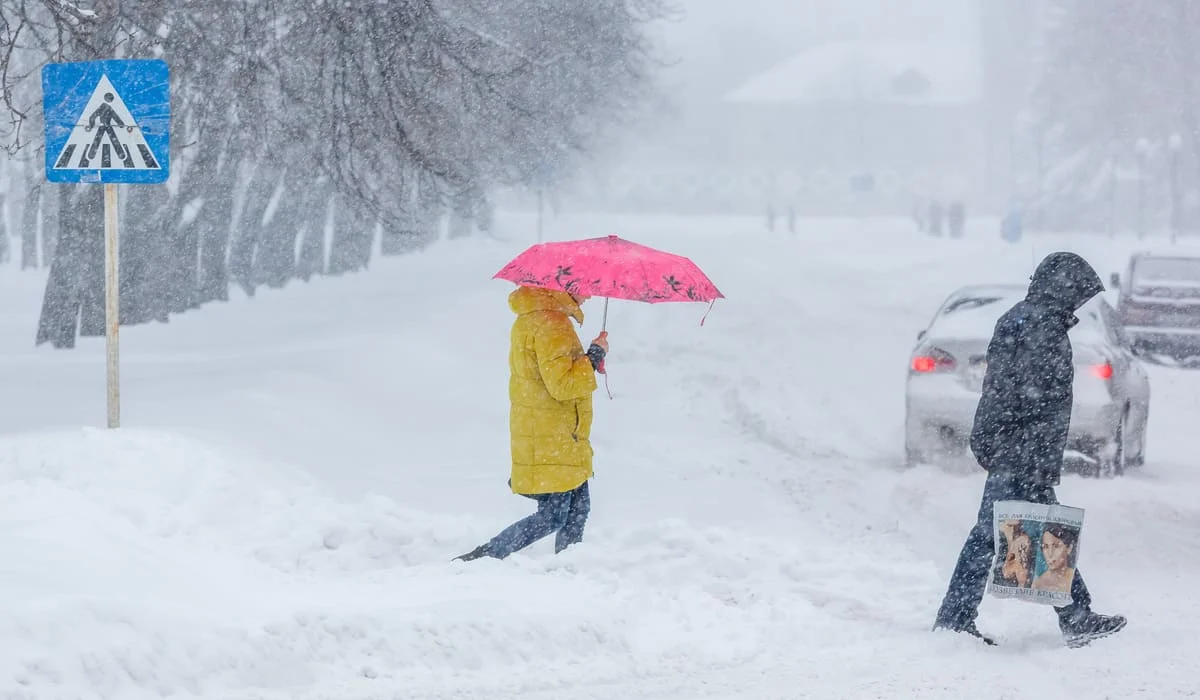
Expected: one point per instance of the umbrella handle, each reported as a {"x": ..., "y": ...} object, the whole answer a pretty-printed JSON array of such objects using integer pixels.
[{"x": 601, "y": 369}]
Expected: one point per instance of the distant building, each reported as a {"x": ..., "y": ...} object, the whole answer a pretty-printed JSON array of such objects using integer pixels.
[{"x": 908, "y": 114}]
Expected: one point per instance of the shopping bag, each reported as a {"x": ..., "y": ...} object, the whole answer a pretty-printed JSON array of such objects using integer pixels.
[{"x": 1037, "y": 551}]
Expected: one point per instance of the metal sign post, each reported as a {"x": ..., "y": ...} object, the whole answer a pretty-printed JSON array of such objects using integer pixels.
[
  {"x": 108, "y": 122},
  {"x": 112, "y": 305}
]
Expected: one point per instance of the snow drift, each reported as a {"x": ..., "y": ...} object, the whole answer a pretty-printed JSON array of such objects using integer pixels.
[{"x": 279, "y": 518}]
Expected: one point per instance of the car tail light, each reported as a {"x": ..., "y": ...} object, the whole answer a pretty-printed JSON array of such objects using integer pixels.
[
  {"x": 933, "y": 360},
  {"x": 1103, "y": 371}
]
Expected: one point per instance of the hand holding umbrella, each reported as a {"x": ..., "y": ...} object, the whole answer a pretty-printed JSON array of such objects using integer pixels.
[{"x": 601, "y": 341}]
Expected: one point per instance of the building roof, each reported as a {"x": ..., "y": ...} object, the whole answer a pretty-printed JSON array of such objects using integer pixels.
[{"x": 882, "y": 72}]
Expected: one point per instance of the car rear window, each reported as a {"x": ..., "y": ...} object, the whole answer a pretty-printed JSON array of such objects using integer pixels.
[
  {"x": 970, "y": 302},
  {"x": 1167, "y": 270}
]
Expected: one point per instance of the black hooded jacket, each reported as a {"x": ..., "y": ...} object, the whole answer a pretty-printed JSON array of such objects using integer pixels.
[{"x": 1023, "y": 414}]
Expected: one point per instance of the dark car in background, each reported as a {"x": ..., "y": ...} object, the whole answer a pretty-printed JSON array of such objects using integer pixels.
[{"x": 1159, "y": 306}]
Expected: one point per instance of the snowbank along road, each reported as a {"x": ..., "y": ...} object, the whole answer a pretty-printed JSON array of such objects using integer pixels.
[{"x": 278, "y": 517}]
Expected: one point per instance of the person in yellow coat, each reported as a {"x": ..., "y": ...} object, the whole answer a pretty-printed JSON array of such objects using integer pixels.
[{"x": 551, "y": 380}]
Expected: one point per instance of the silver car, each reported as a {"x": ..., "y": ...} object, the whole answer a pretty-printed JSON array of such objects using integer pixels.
[{"x": 945, "y": 377}]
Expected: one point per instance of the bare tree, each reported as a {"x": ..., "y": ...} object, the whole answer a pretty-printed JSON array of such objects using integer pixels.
[{"x": 1113, "y": 93}]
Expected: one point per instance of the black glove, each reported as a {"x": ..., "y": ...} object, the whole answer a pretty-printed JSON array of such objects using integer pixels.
[{"x": 596, "y": 354}]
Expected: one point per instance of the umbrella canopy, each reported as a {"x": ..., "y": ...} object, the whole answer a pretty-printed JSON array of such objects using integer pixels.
[{"x": 611, "y": 267}]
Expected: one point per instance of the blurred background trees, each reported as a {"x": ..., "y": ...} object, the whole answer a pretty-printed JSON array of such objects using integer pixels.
[
  {"x": 1114, "y": 115},
  {"x": 307, "y": 134}
]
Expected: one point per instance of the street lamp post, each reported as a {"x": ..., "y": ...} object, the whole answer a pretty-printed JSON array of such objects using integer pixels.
[
  {"x": 1175, "y": 143},
  {"x": 1143, "y": 151},
  {"x": 1113, "y": 154}
]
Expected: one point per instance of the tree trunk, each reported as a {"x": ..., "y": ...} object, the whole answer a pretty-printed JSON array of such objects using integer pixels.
[
  {"x": 367, "y": 247},
  {"x": 411, "y": 233},
  {"x": 177, "y": 277},
  {"x": 147, "y": 282},
  {"x": 312, "y": 245},
  {"x": 349, "y": 231},
  {"x": 5, "y": 244},
  {"x": 276, "y": 263},
  {"x": 214, "y": 225},
  {"x": 89, "y": 217},
  {"x": 188, "y": 266},
  {"x": 429, "y": 209},
  {"x": 249, "y": 232},
  {"x": 5, "y": 211},
  {"x": 75, "y": 286},
  {"x": 51, "y": 218},
  {"x": 29, "y": 227}
]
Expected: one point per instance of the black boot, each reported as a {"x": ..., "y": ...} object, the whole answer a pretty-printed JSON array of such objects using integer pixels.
[
  {"x": 1081, "y": 626},
  {"x": 968, "y": 628},
  {"x": 479, "y": 552}
]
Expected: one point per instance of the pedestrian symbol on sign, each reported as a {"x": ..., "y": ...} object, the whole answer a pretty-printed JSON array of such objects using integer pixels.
[
  {"x": 106, "y": 115},
  {"x": 108, "y": 130}
]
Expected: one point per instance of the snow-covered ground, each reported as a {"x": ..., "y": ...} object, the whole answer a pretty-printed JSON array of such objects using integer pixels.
[{"x": 277, "y": 517}]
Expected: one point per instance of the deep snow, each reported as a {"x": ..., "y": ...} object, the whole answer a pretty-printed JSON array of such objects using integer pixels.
[{"x": 277, "y": 517}]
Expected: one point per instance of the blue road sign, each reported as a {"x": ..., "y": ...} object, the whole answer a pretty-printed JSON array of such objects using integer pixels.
[{"x": 107, "y": 121}]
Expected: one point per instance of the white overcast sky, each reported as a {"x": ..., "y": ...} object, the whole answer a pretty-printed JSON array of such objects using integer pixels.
[{"x": 931, "y": 20}]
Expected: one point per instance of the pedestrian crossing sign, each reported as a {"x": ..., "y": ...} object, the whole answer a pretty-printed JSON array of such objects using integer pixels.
[{"x": 107, "y": 121}]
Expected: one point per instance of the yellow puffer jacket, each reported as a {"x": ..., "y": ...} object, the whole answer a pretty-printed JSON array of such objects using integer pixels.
[{"x": 550, "y": 387}]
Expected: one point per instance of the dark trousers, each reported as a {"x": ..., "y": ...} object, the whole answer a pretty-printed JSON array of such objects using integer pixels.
[
  {"x": 562, "y": 513},
  {"x": 969, "y": 581}
]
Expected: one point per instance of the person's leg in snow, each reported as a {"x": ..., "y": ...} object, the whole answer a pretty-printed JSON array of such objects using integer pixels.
[
  {"x": 572, "y": 532},
  {"x": 960, "y": 606},
  {"x": 1078, "y": 624},
  {"x": 554, "y": 514}
]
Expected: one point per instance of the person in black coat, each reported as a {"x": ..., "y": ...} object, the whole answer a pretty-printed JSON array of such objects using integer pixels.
[{"x": 1020, "y": 434}]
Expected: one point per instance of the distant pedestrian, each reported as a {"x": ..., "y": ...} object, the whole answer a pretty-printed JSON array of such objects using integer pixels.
[
  {"x": 934, "y": 222},
  {"x": 1012, "y": 225},
  {"x": 956, "y": 219}
]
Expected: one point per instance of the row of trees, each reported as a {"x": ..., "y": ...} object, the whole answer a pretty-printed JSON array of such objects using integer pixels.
[
  {"x": 294, "y": 120},
  {"x": 1116, "y": 110}
]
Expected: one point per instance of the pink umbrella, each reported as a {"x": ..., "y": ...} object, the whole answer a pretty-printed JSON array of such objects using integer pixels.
[{"x": 613, "y": 268}]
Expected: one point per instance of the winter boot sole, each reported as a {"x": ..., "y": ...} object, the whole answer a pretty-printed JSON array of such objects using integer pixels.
[
  {"x": 1082, "y": 640},
  {"x": 971, "y": 632}
]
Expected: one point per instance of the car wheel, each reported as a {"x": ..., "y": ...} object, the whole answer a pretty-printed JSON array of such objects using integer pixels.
[
  {"x": 1113, "y": 458},
  {"x": 1138, "y": 459},
  {"x": 912, "y": 456}
]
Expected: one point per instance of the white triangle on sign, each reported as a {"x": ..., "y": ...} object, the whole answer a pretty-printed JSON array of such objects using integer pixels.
[{"x": 106, "y": 136}]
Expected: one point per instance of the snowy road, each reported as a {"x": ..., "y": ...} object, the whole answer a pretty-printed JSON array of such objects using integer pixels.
[{"x": 276, "y": 520}]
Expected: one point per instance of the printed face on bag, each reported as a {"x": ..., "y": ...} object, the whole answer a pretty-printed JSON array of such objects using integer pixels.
[
  {"x": 1056, "y": 552},
  {"x": 1058, "y": 543}
]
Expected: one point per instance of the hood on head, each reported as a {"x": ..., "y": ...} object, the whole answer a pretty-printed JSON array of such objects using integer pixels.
[
  {"x": 524, "y": 300},
  {"x": 1064, "y": 280}
]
